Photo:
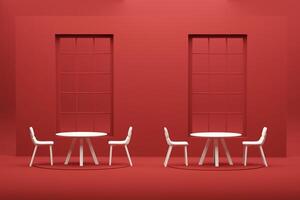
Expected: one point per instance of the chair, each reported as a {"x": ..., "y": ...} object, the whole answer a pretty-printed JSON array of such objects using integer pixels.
[
  {"x": 172, "y": 144},
  {"x": 259, "y": 143},
  {"x": 39, "y": 143},
  {"x": 121, "y": 142}
]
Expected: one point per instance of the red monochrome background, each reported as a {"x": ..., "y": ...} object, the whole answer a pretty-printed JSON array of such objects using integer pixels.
[{"x": 150, "y": 62}]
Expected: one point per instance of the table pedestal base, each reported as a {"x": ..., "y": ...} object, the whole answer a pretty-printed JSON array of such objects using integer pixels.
[
  {"x": 215, "y": 151},
  {"x": 81, "y": 151}
]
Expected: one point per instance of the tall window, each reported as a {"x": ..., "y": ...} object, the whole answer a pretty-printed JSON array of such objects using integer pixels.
[
  {"x": 217, "y": 88},
  {"x": 84, "y": 82}
]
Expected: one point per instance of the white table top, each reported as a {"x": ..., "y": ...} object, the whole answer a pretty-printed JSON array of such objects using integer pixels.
[
  {"x": 215, "y": 134},
  {"x": 81, "y": 134}
]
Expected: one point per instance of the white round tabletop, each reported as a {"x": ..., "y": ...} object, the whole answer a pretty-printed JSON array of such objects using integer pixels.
[
  {"x": 81, "y": 134},
  {"x": 215, "y": 134}
]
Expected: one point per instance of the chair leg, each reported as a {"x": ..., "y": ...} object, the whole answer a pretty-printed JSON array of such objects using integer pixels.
[
  {"x": 128, "y": 155},
  {"x": 33, "y": 155},
  {"x": 186, "y": 156},
  {"x": 245, "y": 155},
  {"x": 168, "y": 156},
  {"x": 110, "y": 154},
  {"x": 51, "y": 155},
  {"x": 263, "y": 156}
]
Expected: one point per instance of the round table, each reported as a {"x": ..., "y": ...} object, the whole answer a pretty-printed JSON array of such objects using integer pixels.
[
  {"x": 81, "y": 136},
  {"x": 216, "y": 137}
]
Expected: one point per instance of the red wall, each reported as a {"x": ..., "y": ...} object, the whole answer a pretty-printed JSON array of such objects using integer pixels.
[
  {"x": 153, "y": 9},
  {"x": 150, "y": 76}
]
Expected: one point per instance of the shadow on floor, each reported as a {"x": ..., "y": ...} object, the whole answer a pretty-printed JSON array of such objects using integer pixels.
[
  {"x": 75, "y": 166},
  {"x": 211, "y": 167}
]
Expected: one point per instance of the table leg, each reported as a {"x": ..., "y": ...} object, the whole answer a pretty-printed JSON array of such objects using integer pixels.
[
  {"x": 201, "y": 161},
  {"x": 81, "y": 152},
  {"x": 88, "y": 140},
  {"x": 216, "y": 152},
  {"x": 51, "y": 155},
  {"x": 226, "y": 151},
  {"x": 70, "y": 151}
]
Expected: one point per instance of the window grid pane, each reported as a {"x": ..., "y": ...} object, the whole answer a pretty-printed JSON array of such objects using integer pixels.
[
  {"x": 217, "y": 76},
  {"x": 84, "y": 82}
]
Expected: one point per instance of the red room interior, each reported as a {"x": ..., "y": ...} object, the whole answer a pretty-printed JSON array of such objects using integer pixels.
[{"x": 189, "y": 65}]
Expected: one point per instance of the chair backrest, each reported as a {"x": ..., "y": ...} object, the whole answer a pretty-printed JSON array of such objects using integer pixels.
[
  {"x": 128, "y": 138},
  {"x": 167, "y": 136},
  {"x": 263, "y": 136},
  {"x": 32, "y": 135}
]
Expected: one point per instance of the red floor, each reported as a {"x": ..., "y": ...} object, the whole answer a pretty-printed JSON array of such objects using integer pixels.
[{"x": 148, "y": 179}]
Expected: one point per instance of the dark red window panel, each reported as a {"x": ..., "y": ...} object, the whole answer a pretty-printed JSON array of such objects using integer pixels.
[
  {"x": 217, "y": 82},
  {"x": 84, "y": 82}
]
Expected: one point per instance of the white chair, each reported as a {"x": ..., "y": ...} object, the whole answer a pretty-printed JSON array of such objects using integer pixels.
[
  {"x": 172, "y": 144},
  {"x": 259, "y": 143},
  {"x": 39, "y": 143},
  {"x": 121, "y": 142}
]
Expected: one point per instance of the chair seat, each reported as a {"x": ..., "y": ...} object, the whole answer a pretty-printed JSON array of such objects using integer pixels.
[
  {"x": 44, "y": 142},
  {"x": 251, "y": 143},
  {"x": 179, "y": 143},
  {"x": 117, "y": 142}
]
